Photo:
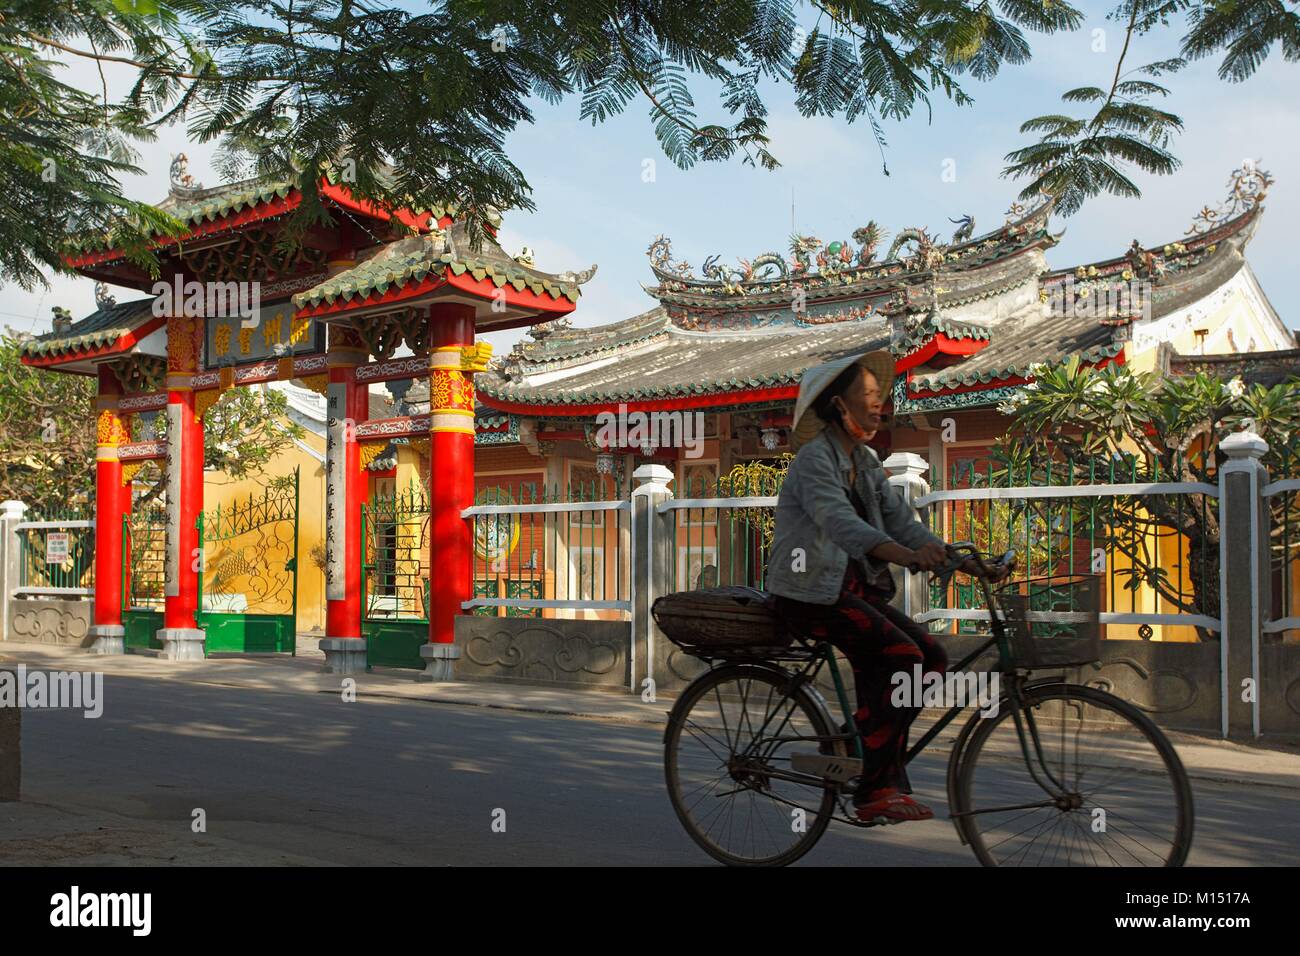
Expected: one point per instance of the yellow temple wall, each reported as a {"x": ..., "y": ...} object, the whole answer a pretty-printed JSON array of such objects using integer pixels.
[{"x": 219, "y": 490}]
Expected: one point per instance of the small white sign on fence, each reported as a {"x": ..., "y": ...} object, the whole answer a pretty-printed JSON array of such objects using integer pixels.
[{"x": 56, "y": 547}]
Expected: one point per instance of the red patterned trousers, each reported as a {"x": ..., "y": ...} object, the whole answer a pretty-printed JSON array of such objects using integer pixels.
[{"x": 879, "y": 641}]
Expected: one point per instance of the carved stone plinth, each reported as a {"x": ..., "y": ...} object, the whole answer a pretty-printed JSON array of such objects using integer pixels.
[{"x": 344, "y": 655}]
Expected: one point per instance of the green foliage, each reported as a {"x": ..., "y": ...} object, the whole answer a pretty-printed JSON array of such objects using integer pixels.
[
  {"x": 47, "y": 421},
  {"x": 754, "y": 479},
  {"x": 414, "y": 105},
  {"x": 1167, "y": 426},
  {"x": 1078, "y": 424},
  {"x": 64, "y": 149},
  {"x": 1246, "y": 30},
  {"x": 1078, "y": 158},
  {"x": 244, "y": 432}
]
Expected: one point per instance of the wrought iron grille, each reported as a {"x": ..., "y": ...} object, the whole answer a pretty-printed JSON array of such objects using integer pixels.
[
  {"x": 59, "y": 552},
  {"x": 144, "y": 555},
  {"x": 396, "y": 565},
  {"x": 1157, "y": 551},
  {"x": 545, "y": 547}
]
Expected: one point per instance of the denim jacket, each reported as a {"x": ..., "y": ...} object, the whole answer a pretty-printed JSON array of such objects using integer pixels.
[{"x": 817, "y": 527}]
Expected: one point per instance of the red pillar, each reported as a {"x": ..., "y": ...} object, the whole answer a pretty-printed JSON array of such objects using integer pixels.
[
  {"x": 347, "y": 405},
  {"x": 451, "y": 480},
  {"x": 112, "y": 432},
  {"x": 180, "y": 635}
]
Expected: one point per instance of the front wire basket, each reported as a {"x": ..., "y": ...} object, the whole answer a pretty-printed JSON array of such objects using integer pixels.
[{"x": 1052, "y": 621}]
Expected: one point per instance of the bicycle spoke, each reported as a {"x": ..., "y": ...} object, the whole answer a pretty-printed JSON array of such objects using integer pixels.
[
  {"x": 1024, "y": 851},
  {"x": 1094, "y": 744},
  {"x": 693, "y": 727},
  {"x": 726, "y": 795}
]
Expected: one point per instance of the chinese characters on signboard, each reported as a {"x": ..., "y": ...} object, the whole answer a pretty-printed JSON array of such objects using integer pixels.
[
  {"x": 172, "y": 464},
  {"x": 335, "y": 490},
  {"x": 233, "y": 340}
]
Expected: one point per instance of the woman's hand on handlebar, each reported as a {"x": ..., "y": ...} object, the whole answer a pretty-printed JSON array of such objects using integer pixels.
[{"x": 929, "y": 557}]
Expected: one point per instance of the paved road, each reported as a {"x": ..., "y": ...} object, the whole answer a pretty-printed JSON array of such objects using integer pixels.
[{"x": 306, "y": 777}]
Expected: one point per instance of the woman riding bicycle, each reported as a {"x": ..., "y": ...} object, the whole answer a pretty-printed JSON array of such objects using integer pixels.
[{"x": 839, "y": 526}]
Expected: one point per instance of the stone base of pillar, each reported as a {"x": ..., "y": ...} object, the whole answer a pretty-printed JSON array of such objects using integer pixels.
[
  {"x": 109, "y": 639},
  {"x": 344, "y": 655},
  {"x": 182, "y": 643},
  {"x": 439, "y": 662}
]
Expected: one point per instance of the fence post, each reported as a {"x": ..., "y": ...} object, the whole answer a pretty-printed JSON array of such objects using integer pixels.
[
  {"x": 651, "y": 567},
  {"x": 1243, "y": 594},
  {"x": 905, "y": 470},
  {"x": 11, "y": 558}
]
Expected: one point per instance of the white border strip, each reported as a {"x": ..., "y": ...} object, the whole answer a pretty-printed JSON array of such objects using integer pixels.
[
  {"x": 1282, "y": 624},
  {"x": 1278, "y": 487},
  {"x": 677, "y": 504},
  {"x": 54, "y": 524},
  {"x": 54, "y": 592}
]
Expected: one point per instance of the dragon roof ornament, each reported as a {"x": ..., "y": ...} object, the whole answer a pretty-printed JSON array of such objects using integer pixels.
[
  {"x": 1247, "y": 187},
  {"x": 810, "y": 261}
]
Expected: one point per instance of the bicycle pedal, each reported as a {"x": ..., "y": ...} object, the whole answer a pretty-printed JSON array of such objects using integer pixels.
[
  {"x": 879, "y": 822},
  {"x": 839, "y": 769}
]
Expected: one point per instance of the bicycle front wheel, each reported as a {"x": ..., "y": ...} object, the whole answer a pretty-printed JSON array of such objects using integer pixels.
[
  {"x": 1102, "y": 785},
  {"x": 728, "y": 734}
]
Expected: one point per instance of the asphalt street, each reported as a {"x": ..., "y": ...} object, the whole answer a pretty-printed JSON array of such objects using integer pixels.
[{"x": 308, "y": 777}]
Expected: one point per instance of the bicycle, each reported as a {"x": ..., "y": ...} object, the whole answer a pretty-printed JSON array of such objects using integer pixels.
[{"x": 739, "y": 728}]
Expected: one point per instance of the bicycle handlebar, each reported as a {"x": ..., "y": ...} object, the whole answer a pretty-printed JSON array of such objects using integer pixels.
[{"x": 960, "y": 551}]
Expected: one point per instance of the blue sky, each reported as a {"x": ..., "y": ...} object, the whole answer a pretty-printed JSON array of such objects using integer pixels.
[{"x": 593, "y": 205}]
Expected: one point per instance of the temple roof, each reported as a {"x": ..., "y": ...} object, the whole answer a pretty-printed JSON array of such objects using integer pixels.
[
  {"x": 963, "y": 317},
  {"x": 1266, "y": 368},
  {"x": 650, "y": 358},
  {"x": 442, "y": 251},
  {"x": 1010, "y": 355},
  {"x": 204, "y": 211},
  {"x": 102, "y": 328}
]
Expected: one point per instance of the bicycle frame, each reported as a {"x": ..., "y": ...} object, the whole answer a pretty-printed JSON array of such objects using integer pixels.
[{"x": 823, "y": 655}]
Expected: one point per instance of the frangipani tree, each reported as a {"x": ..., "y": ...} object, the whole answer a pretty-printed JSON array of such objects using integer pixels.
[{"x": 1079, "y": 424}]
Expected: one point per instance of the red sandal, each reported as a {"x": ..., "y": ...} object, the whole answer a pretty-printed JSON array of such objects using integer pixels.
[{"x": 890, "y": 806}]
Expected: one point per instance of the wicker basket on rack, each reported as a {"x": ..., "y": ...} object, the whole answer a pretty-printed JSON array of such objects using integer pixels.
[{"x": 720, "y": 618}]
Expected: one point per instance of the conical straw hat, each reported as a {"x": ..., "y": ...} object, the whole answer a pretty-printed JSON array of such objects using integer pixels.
[{"x": 816, "y": 380}]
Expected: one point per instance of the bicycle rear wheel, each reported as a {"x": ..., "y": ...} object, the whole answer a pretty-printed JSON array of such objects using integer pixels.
[
  {"x": 1124, "y": 798},
  {"x": 717, "y": 761}
]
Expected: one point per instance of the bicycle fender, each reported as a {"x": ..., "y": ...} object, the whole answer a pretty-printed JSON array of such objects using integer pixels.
[
  {"x": 819, "y": 701},
  {"x": 959, "y": 745}
]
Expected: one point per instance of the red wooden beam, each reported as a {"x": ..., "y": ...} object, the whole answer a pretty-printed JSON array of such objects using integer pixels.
[
  {"x": 996, "y": 383},
  {"x": 941, "y": 344}
]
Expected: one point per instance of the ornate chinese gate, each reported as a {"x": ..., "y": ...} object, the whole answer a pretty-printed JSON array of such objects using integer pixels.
[{"x": 395, "y": 578}]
